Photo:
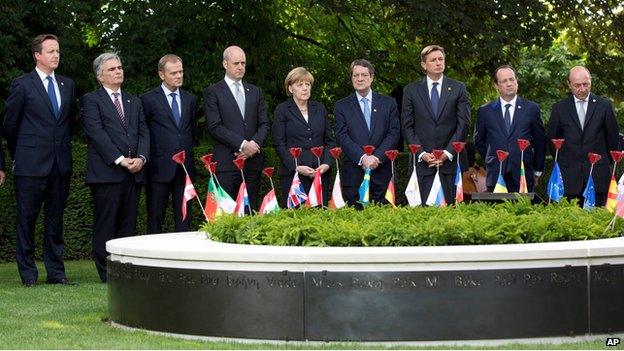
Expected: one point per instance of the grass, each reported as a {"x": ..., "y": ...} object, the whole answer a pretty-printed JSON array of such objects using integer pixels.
[{"x": 71, "y": 317}]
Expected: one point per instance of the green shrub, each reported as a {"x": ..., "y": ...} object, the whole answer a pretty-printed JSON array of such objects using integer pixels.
[{"x": 465, "y": 224}]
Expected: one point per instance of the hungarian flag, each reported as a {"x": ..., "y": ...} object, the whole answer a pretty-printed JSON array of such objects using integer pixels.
[
  {"x": 269, "y": 203},
  {"x": 459, "y": 185},
  {"x": 523, "y": 183},
  {"x": 242, "y": 200},
  {"x": 612, "y": 196},
  {"x": 500, "y": 187},
  {"x": 436, "y": 195},
  {"x": 555, "y": 184},
  {"x": 315, "y": 195},
  {"x": 189, "y": 194},
  {"x": 412, "y": 192},
  {"x": 211, "y": 209},
  {"x": 296, "y": 195},
  {"x": 390, "y": 193},
  {"x": 365, "y": 188},
  {"x": 336, "y": 200}
]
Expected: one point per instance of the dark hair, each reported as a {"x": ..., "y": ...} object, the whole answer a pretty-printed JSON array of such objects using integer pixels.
[
  {"x": 363, "y": 63},
  {"x": 37, "y": 42},
  {"x": 429, "y": 49},
  {"x": 495, "y": 78}
]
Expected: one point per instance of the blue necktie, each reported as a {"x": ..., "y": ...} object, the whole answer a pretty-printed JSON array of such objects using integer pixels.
[
  {"x": 507, "y": 117},
  {"x": 52, "y": 96},
  {"x": 175, "y": 110},
  {"x": 367, "y": 114},
  {"x": 435, "y": 100}
]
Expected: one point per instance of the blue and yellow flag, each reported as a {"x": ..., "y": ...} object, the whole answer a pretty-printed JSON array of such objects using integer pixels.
[
  {"x": 555, "y": 184},
  {"x": 364, "y": 188},
  {"x": 500, "y": 187},
  {"x": 590, "y": 195}
]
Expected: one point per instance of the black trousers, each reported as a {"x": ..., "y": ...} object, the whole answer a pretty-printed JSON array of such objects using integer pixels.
[
  {"x": 31, "y": 194},
  {"x": 158, "y": 194},
  {"x": 231, "y": 181},
  {"x": 115, "y": 208}
]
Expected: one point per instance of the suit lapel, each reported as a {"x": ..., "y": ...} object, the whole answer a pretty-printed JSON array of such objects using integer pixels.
[
  {"x": 355, "y": 106},
  {"x": 112, "y": 111},
  {"x": 228, "y": 93},
  {"x": 296, "y": 114},
  {"x": 374, "y": 114},
  {"x": 498, "y": 117},
  {"x": 40, "y": 88},
  {"x": 164, "y": 101},
  {"x": 591, "y": 107},
  {"x": 248, "y": 102},
  {"x": 185, "y": 102},
  {"x": 570, "y": 105},
  {"x": 64, "y": 90},
  {"x": 517, "y": 117},
  {"x": 445, "y": 91},
  {"x": 423, "y": 92},
  {"x": 127, "y": 111}
]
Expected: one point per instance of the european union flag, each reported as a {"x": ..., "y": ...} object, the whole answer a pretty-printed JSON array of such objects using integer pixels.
[
  {"x": 555, "y": 184},
  {"x": 590, "y": 195}
]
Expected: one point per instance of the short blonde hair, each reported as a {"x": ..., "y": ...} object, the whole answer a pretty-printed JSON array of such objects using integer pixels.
[{"x": 298, "y": 74}]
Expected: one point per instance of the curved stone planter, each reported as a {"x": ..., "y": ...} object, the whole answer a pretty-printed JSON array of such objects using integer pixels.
[{"x": 183, "y": 283}]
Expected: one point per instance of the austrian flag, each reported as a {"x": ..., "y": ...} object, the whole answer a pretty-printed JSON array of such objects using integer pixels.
[{"x": 189, "y": 194}]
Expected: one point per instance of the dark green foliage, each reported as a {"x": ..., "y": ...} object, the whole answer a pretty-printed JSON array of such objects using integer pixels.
[{"x": 466, "y": 224}]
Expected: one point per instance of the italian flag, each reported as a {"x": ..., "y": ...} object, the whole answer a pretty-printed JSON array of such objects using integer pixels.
[{"x": 269, "y": 203}]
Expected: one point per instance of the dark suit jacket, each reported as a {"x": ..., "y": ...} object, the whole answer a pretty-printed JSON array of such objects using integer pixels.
[
  {"x": 229, "y": 129},
  {"x": 491, "y": 134},
  {"x": 352, "y": 133},
  {"x": 166, "y": 138},
  {"x": 108, "y": 139},
  {"x": 600, "y": 135},
  {"x": 36, "y": 139},
  {"x": 422, "y": 128},
  {"x": 291, "y": 130}
]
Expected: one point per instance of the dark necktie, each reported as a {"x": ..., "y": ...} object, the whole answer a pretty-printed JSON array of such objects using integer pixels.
[
  {"x": 175, "y": 110},
  {"x": 120, "y": 113},
  {"x": 507, "y": 117},
  {"x": 435, "y": 100},
  {"x": 52, "y": 96}
]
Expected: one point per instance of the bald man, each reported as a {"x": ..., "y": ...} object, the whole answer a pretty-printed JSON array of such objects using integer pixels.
[
  {"x": 587, "y": 123},
  {"x": 237, "y": 120}
]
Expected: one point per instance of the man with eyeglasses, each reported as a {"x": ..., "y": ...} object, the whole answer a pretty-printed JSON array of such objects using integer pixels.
[
  {"x": 587, "y": 123},
  {"x": 365, "y": 118},
  {"x": 436, "y": 113}
]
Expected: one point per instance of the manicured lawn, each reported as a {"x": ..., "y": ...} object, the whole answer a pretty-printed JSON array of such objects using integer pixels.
[{"x": 71, "y": 317}]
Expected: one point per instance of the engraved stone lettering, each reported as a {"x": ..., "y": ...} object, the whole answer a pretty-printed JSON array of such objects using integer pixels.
[
  {"x": 164, "y": 278},
  {"x": 242, "y": 282},
  {"x": 432, "y": 282},
  {"x": 186, "y": 279},
  {"x": 532, "y": 279},
  {"x": 324, "y": 282},
  {"x": 466, "y": 281},
  {"x": 564, "y": 278},
  {"x": 504, "y": 280},
  {"x": 281, "y": 283},
  {"x": 366, "y": 283},
  {"x": 606, "y": 276},
  {"x": 208, "y": 280},
  {"x": 406, "y": 282}
]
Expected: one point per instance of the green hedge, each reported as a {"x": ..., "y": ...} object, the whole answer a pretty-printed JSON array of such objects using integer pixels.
[
  {"x": 465, "y": 224},
  {"x": 79, "y": 214}
]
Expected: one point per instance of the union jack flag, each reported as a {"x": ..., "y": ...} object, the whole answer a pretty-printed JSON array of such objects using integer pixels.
[{"x": 296, "y": 195}]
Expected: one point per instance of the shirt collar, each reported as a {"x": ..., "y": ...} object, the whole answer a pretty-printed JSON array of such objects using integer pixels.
[
  {"x": 231, "y": 81},
  {"x": 369, "y": 96},
  {"x": 512, "y": 101},
  {"x": 44, "y": 76},
  {"x": 431, "y": 81},
  {"x": 110, "y": 92},
  {"x": 167, "y": 91},
  {"x": 576, "y": 100}
]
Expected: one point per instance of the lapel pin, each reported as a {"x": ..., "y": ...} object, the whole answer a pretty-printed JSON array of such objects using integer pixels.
[
  {"x": 593, "y": 100},
  {"x": 62, "y": 83},
  {"x": 247, "y": 89},
  {"x": 128, "y": 101},
  {"x": 449, "y": 88},
  {"x": 374, "y": 110},
  {"x": 519, "y": 107}
]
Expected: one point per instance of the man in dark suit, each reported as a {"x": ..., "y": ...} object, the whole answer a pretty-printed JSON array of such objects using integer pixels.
[
  {"x": 170, "y": 116},
  {"x": 118, "y": 149},
  {"x": 501, "y": 123},
  {"x": 39, "y": 113},
  {"x": 435, "y": 114},
  {"x": 587, "y": 123},
  {"x": 237, "y": 120},
  {"x": 365, "y": 118}
]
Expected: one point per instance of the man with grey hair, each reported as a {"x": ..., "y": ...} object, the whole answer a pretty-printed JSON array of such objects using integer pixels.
[
  {"x": 237, "y": 120},
  {"x": 587, "y": 123},
  {"x": 118, "y": 148},
  {"x": 170, "y": 114},
  {"x": 39, "y": 113}
]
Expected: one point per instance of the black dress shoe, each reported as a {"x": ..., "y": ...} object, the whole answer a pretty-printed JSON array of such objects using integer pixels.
[
  {"x": 29, "y": 283},
  {"x": 63, "y": 281}
]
